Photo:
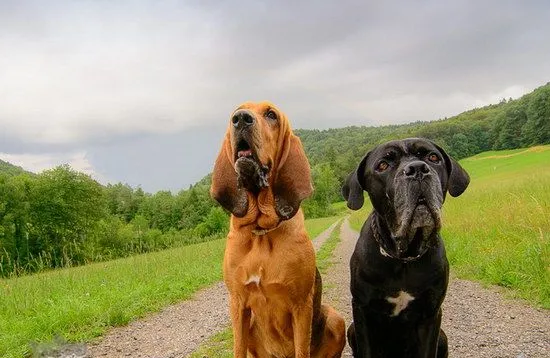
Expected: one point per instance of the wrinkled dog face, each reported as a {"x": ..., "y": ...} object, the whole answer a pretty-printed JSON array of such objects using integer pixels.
[
  {"x": 411, "y": 175},
  {"x": 407, "y": 181},
  {"x": 254, "y": 126}
]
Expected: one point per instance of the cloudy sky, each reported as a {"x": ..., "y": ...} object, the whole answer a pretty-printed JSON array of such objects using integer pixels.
[{"x": 141, "y": 91}]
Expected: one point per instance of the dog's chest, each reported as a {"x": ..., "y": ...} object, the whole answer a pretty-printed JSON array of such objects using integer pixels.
[{"x": 260, "y": 266}]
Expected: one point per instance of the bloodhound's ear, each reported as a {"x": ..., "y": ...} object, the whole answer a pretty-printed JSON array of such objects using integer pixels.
[
  {"x": 224, "y": 187},
  {"x": 292, "y": 181},
  {"x": 458, "y": 177},
  {"x": 353, "y": 187}
]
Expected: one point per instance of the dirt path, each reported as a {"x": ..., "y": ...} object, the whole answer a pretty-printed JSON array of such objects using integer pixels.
[
  {"x": 177, "y": 330},
  {"x": 478, "y": 321}
]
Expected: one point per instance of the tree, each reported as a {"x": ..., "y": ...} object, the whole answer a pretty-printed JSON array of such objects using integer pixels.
[
  {"x": 65, "y": 207},
  {"x": 536, "y": 129}
]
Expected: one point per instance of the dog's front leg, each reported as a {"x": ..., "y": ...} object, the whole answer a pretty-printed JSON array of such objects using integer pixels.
[
  {"x": 301, "y": 325},
  {"x": 362, "y": 344},
  {"x": 240, "y": 320},
  {"x": 428, "y": 336}
]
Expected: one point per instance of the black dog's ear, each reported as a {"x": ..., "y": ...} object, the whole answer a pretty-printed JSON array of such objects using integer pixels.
[
  {"x": 352, "y": 190},
  {"x": 458, "y": 178}
]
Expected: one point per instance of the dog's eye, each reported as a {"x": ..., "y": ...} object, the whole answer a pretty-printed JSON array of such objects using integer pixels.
[
  {"x": 271, "y": 114},
  {"x": 434, "y": 158},
  {"x": 382, "y": 166}
]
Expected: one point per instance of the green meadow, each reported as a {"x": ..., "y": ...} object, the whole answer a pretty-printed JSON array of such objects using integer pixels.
[
  {"x": 498, "y": 231},
  {"x": 78, "y": 304}
]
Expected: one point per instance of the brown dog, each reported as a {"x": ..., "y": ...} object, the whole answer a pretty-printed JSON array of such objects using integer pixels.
[{"x": 261, "y": 176}]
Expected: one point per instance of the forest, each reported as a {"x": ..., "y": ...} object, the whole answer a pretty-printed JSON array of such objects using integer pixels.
[{"x": 63, "y": 218}]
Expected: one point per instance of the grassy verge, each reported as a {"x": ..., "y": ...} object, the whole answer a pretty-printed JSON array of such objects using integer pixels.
[
  {"x": 324, "y": 255},
  {"x": 358, "y": 218},
  {"x": 80, "y": 303},
  {"x": 316, "y": 226},
  {"x": 498, "y": 231},
  {"x": 220, "y": 345}
]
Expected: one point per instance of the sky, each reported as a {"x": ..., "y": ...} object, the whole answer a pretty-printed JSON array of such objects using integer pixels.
[{"x": 140, "y": 92}]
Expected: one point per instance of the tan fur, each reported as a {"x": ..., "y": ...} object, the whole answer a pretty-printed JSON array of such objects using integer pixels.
[{"x": 271, "y": 277}]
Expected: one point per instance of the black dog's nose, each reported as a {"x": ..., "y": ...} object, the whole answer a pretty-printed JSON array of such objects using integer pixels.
[
  {"x": 242, "y": 118},
  {"x": 416, "y": 169}
]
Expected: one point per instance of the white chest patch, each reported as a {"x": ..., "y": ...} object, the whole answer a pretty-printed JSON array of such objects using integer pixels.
[
  {"x": 401, "y": 302},
  {"x": 253, "y": 279}
]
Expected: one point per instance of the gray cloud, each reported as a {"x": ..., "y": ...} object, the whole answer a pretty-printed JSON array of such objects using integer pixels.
[{"x": 119, "y": 80}]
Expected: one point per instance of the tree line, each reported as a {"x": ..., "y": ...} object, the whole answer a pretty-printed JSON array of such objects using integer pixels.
[{"x": 62, "y": 218}]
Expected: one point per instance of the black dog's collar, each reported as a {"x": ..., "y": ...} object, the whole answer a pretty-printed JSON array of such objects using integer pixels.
[{"x": 384, "y": 251}]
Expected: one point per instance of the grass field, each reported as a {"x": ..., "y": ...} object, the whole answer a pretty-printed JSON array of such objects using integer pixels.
[
  {"x": 498, "y": 231},
  {"x": 316, "y": 226},
  {"x": 220, "y": 345},
  {"x": 80, "y": 303}
]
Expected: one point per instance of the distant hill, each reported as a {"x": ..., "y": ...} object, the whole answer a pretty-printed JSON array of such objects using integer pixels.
[
  {"x": 511, "y": 124},
  {"x": 10, "y": 169}
]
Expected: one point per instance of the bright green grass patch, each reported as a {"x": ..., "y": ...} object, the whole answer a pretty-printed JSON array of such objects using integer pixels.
[
  {"x": 80, "y": 303},
  {"x": 498, "y": 231},
  {"x": 316, "y": 226},
  {"x": 220, "y": 345},
  {"x": 324, "y": 255},
  {"x": 358, "y": 218}
]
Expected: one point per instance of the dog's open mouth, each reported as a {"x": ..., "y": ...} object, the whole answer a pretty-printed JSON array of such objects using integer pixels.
[{"x": 243, "y": 150}]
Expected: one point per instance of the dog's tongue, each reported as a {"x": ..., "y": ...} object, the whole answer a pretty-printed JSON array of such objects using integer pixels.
[{"x": 244, "y": 153}]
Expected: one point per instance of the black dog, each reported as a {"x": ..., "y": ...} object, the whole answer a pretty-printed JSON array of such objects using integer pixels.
[{"x": 399, "y": 270}]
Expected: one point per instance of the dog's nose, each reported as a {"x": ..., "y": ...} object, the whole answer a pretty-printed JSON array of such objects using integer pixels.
[
  {"x": 242, "y": 118},
  {"x": 416, "y": 169}
]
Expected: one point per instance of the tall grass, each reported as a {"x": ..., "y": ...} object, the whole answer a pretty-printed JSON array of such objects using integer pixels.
[
  {"x": 498, "y": 231},
  {"x": 82, "y": 302}
]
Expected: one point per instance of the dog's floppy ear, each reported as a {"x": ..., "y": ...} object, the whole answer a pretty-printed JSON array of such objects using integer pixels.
[
  {"x": 292, "y": 182},
  {"x": 458, "y": 177},
  {"x": 353, "y": 187},
  {"x": 224, "y": 187}
]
